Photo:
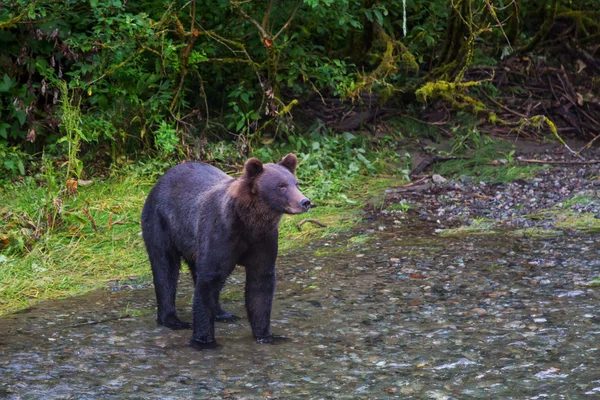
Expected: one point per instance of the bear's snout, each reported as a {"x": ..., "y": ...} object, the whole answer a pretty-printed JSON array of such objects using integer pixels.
[{"x": 305, "y": 204}]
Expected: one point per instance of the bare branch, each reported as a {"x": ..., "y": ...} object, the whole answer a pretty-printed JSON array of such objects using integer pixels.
[{"x": 287, "y": 24}]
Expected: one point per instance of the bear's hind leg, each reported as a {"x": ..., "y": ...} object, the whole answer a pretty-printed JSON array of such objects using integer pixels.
[
  {"x": 224, "y": 315},
  {"x": 165, "y": 271}
]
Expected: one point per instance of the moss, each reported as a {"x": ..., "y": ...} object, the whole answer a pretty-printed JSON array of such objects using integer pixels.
[
  {"x": 454, "y": 93},
  {"x": 359, "y": 239},
  {"x": 586, "y": 222},
  {"x": 595, "y": 282},
  {"x": 13, "y": 21},
  {"x": 395, "y": 53},
  {"x": 329, "y": 251},
  {"x": 480, "y": 226}
]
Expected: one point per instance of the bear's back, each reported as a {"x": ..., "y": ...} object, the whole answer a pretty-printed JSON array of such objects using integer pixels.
[{"x": 191, "y": 179}]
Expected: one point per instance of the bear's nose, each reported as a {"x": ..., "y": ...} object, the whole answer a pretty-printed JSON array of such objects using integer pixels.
[{"x": 305, "y": 203}]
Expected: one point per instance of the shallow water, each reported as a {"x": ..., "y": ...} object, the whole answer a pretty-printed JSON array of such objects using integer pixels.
[{"x": 387, "y": 311}]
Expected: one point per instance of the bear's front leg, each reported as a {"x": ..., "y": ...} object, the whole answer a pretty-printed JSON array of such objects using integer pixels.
[
  {"x": 260, "y": 288},
  {"x": 204, "y": 312}
]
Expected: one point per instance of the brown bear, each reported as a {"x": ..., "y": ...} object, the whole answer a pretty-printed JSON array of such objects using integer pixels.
[{"x": 214, "y": 222}]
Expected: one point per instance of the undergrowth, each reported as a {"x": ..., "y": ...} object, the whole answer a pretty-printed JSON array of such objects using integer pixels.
[{"x": 484, "y": 158}]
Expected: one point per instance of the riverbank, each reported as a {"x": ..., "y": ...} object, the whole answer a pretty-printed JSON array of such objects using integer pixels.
[{"x": 558, "y": 194}]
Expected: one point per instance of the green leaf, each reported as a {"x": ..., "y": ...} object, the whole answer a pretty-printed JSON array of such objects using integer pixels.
[
  {"x": 21, "y": 116},
  {"x": 3, "y": 131},
  {"x": 245, "y": 97},
  {"x": 348, "y": 136},
  {"x": 347, "y": 200},
  {"x": 6, "y": 84},
  {"x": 31, "y": 11},
  {"x": 239, "y": 125},
  {"x": 379, "y": 16}
]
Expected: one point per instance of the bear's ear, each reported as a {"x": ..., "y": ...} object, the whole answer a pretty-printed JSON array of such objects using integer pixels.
[
  {"x": 290, "y": 162},
  {"x": 252, "y": 168}
]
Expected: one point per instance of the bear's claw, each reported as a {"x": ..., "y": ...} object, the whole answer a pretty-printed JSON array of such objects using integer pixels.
[
  {"x": 227, "y": 317},
  {"x": 272, "y": 339},
  {"x": 174, "y": 323},
  {"x": 199, "y": 345}
]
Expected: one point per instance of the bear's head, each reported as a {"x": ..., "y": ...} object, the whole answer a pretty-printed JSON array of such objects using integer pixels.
[{"x": 275, "y": 185}]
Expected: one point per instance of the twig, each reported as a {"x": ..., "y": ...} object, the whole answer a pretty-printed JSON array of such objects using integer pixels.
[
  {"x": 414, "y": 183},
  {"x": 265, "y": 20},
  {"x": 589, "y": 145},
  {"x": 503, "y": 106},
  {"x": 87, "y": 214},
  {"x": 314, "y": 221},
  {"x": 183, "y": 62},
  {"x": 263, "y": 32},
  {"x": 558, "y": 162},
  {"x": 288, "y": 21},
  {"x": 116, "y": 67}
]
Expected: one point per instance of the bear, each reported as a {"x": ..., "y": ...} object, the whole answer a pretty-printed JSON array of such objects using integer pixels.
[{"x": 214, "y": 222}]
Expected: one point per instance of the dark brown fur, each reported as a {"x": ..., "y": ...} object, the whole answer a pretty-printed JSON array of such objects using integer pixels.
[{"x": 214, "y": 222}]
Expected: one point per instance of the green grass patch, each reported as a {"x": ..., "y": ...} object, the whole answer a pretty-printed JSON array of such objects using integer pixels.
[
  {"x": 487, "y": 159},
  {"x": 398, "y": 207},
  {"x": 595, "y": 282},
  {"x": 580, "y": 199},
  {"x": 479, "y": 226},
  {"x": 586, "y": 222},
  {"x": 412, "y": 128},
  {"x": 73, "y": 257},
  {"x": 534, "y": 232}
]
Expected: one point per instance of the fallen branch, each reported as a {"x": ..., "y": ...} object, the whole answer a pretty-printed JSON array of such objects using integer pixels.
[
  {"x": 414, "y": 183},
  {"x": 314, "y": 221},
  {"x": 518, "y": 114},
  {"x": 558, "y": 162}
]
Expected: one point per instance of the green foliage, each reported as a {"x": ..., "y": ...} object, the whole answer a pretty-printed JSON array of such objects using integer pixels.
[
  {"x": 166, "y": 138},
  {"x": 12, "y": 161},
  {"x": 50, "y": 248},
  {"x": 330, "y": 163},
  {"x": 143, "y": 74},
  {"x": 70, "y": 116},
  {"x": 489, "y": 159}
]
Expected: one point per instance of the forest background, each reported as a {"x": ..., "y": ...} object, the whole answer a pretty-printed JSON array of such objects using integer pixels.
[{"x": 113, "y": 92}]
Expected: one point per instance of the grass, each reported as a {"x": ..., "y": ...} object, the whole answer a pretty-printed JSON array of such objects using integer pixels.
[
  {"x": 479, "y": 226},
  {"x": 73, "y": 257},
  {"x": 585, "y": 222},
  {"x": 490, "y": 161}
]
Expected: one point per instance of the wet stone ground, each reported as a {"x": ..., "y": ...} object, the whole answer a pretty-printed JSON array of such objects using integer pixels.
[
  {"x": 536, "y": 202},
  {"x": 389, "y": 310}
]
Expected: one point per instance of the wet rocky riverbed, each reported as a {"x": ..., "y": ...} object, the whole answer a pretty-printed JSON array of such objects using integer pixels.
[{"x": 389, "y": 310}]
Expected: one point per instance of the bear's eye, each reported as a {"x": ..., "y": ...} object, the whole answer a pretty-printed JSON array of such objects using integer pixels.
[{"x": 281, "y": 186}]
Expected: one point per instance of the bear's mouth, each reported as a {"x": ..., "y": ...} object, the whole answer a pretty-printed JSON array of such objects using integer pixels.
[{"x": 296, "y": 210}]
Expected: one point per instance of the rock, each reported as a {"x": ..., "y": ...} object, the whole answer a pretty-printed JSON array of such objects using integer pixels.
[
  {"x": 465, "y": 179},
  {"x": 438, "y": 179}
]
